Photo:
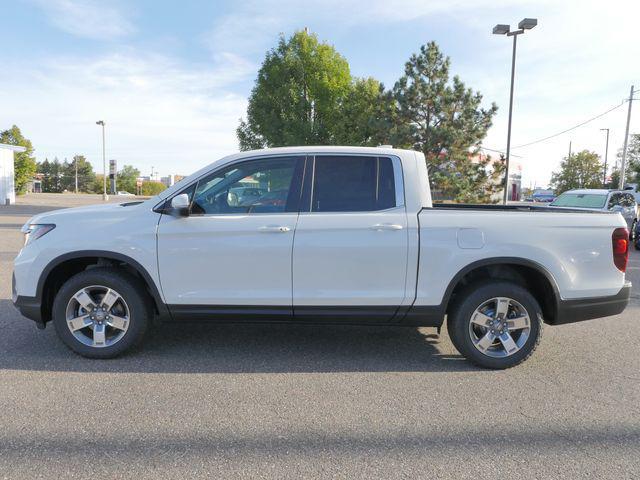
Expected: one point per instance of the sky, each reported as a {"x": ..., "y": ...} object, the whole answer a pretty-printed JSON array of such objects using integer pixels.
[{"x": 171, "y": 79}]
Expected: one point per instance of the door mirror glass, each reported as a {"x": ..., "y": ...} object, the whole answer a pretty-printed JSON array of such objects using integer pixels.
[{"x": 180, "y": 205}]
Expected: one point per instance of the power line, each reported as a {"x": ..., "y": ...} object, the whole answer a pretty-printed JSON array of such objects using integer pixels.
[
  {"x": 498, "y": 151},
  {"x": 571, "y": 128}
]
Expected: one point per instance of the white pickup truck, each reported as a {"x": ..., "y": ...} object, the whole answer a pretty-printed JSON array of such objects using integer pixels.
[{"x": 327, "y": 235}]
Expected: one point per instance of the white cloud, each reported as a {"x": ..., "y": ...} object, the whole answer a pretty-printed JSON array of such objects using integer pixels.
[
  {"x": 158, "y": 112},
  {"x": 87, "y": 18}
]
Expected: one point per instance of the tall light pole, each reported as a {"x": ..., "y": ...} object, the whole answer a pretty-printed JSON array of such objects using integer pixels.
[
  {"x": 606, "y": 156},
  {"x": 500, "y": 29},
  {"x": 105, "y": 197},
  {"x": 623, "y": 164}
]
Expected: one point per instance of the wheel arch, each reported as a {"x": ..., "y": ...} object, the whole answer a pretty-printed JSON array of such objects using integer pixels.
[
  {"x": 64, "y": 266},
  {"x": 529, "y": 274}
]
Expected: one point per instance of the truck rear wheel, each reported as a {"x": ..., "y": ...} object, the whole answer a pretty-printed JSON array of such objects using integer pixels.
[
  {"x": 101, "y": 312},
  {"x": 495, "y": 325}
]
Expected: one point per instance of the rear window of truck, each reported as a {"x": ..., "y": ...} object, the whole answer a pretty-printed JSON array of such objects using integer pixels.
[{"x": 580, "y": 200}]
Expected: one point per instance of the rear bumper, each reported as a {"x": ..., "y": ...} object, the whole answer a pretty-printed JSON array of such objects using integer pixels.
[{"x": 577, "y": 310}]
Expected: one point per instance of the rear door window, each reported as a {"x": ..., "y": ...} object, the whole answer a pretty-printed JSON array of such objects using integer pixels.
[{"x": 352, "y": 184}]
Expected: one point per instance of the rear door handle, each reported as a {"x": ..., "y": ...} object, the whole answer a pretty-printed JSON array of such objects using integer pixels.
[
  {"x": 274, "y": 229},
  {"x": 386, "y": 226}
]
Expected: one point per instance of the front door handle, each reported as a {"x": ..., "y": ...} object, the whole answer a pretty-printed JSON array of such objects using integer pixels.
[
  {"x": 386, "y": 226},
  {"x": 274, "y": 229}
]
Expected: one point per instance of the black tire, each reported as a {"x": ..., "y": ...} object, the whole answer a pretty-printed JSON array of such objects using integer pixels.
[
  {"x": 471, "y": 298},
  {"x": 129, "y": 288}
]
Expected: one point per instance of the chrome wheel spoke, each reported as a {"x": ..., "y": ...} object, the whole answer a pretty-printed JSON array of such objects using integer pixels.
[
  {"x": 508, "y": 343},
  {"x": 119, "y": 323},
  {"x": 99, "y": 337},
  {"x": 85, "y": 300},
  {"x": 482, "y": 319},
  {"x": 502, "y": 307},
  {"x": 486, "y": 341},
  {"x": 78, "y": 323},
  {"x": 518, "y": 323},
  {"x": 109, "y": 299}
]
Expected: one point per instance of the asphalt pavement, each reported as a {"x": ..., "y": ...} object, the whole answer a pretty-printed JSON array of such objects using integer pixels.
[{"x": 313, "y": 402}]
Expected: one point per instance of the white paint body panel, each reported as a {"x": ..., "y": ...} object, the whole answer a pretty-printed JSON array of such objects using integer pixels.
[
  {"x": 575, "y": 248},
  {"x": 226, "y": 259},
  {"x": 344, "y": 259}
]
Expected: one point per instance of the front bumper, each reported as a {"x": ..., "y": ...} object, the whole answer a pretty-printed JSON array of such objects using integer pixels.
[
  {"x": 30, "y": 307},
  {"x": 577, "y": 310}
]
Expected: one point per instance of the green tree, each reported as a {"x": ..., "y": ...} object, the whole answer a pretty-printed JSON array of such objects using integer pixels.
[
  {"x": 127, "y": 178},
  {"x": 97, "y": 185},
  {"x": 150, "y": 189},
  {"x": 44, "y": 168},
  {"x": 632, "y": 171},
  {"x": 54, "y": 179},
  {"x": 295, "y": 100},
  {"x": 445, "y": 120},
  {"x": 580, "y": 170},
  {"x": 24, "y": 162},
  {"x": 365, "y": 114},
  {"x": 86, "y": 175}
]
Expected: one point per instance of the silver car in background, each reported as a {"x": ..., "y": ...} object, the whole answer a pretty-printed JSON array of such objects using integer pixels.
[{"x": 621, "y": 201}]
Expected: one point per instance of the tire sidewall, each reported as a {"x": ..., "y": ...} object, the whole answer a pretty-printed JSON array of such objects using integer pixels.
[
  {"x": 127, "y": 287},
  {"x": 475, "y": 296}
]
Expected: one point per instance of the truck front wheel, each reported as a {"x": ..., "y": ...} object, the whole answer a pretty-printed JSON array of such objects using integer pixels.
[
  {"x": 101, "y": 312},
  {"x": 495, "y": 325}
]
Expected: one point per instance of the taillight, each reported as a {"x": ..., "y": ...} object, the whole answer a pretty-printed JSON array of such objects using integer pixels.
[{"x": 620, "y": 243}]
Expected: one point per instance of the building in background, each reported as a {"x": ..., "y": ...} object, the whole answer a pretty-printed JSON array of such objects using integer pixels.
[
  {"x": 7, "y": 182},
  {"x": 170, "y": 180}
]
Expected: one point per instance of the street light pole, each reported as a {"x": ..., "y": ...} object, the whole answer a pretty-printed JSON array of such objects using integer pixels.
[
  {"x": 606, "y": 156},
  {"x": 500, "y": 29},
  {"x": 105, "y": 197},
  {"x": 623, "y": 165},
  {"x": 513, "y": 74}
]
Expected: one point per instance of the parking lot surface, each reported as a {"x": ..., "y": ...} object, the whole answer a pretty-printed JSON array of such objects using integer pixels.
[{"x": 313, "y": 402}]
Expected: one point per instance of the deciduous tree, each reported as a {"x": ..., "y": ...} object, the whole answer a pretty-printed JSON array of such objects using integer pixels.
[
  {"x": 24, "y": 162},
  {"x": 579, "y": 170}
]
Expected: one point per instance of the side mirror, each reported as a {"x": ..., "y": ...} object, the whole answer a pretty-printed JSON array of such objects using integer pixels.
[
  {"x": 179, "y": 206},
  {"x": 617, "y": 208}
]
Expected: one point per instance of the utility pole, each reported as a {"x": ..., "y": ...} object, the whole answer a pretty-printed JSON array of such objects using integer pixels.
[
  {"x": 623, "y": 166},
  {"x": 569, "y": 157},
  {"x": 606, "y": 155},
  {"x": 75, "y": 161}
]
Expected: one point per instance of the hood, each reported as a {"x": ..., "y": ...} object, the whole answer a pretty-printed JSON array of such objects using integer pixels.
[{"x": 98, "y": 211}]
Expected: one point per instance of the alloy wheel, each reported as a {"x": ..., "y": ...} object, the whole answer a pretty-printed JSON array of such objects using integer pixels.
[
  {"x": 499, "y": 327},
  {"x": 97, "y": 316}
]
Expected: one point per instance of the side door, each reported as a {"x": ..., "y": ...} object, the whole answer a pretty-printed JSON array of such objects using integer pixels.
[
  {"x": 351, "y": 243},
  {"x": 233, "y": 251}
]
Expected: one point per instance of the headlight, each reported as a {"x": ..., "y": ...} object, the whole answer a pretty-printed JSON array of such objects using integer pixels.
[{"x": 34, "y": 231}]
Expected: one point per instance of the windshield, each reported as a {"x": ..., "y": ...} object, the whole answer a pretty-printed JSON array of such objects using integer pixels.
[{"x": 580, "y": 200}]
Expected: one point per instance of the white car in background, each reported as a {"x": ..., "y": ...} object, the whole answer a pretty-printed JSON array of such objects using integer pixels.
[{"x": 602, "y": 200}]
